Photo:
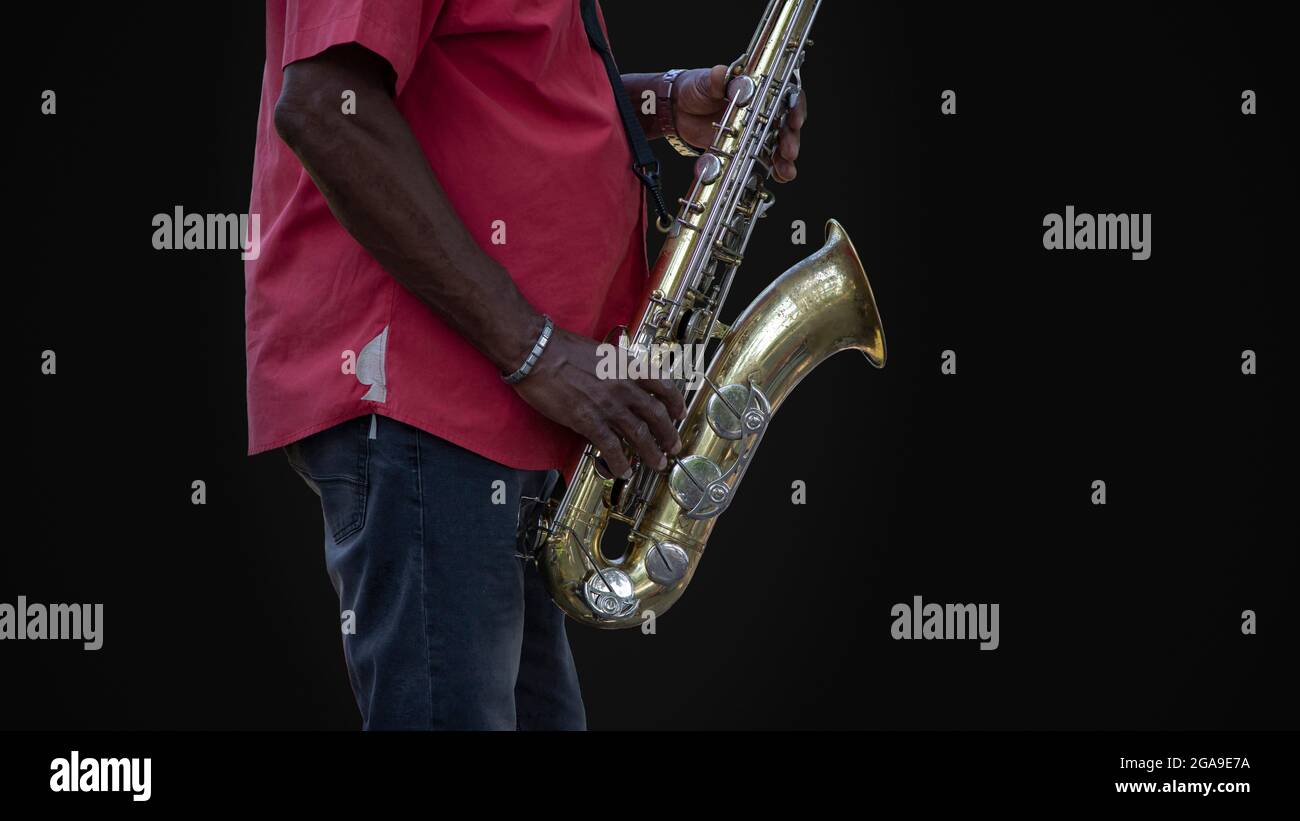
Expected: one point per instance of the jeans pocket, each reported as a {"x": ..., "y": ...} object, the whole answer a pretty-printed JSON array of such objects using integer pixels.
[{"x": 335, "y": 463}]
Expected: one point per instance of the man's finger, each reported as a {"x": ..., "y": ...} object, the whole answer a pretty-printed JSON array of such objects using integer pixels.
[
  {"x": 789, "y": 145},
  {"x": 666, "y": 392},
  {"x": 636, "y": 432},
  {"x": 782, "y": 169},
  {"x": 799, "y": 114},
  {"x": 717, "y": 80},
  {"x": 703, "y": 91},
  {"x": 611, "y": 450},
  {"x": 653, "y": 412}
]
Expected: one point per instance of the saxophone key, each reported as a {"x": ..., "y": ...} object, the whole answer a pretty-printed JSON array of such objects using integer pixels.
[
  {"x": 708, "y": 168},
  {"x": 666, "y": 563},
  {"x": 608, "y": 593},
  {"x": 695, "y": 486}
]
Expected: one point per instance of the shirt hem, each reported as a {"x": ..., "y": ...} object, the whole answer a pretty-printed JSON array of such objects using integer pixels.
[{"x": 501, "y": 457}]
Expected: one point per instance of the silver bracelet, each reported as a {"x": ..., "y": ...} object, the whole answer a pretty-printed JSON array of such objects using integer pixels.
[
  {"x": 666, "y": 114},
  {"x": 534, "y": 355}
]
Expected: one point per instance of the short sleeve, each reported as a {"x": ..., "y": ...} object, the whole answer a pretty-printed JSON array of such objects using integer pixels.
[{"x": 393, "y": 29}]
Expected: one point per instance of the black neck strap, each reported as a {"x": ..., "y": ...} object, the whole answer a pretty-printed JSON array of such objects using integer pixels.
[{"x": 644, "y": 164}]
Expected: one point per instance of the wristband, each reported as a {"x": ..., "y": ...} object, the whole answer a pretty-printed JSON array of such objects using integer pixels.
[
  {"x": 533, "y": 355},
  {"x": 666, "y": 114}
]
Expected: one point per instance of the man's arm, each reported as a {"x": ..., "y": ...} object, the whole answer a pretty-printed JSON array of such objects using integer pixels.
[
  {"x": 637, "y": 85},
  {"x": 377, "y": 182},
  {"x": 379, "y": 185}
]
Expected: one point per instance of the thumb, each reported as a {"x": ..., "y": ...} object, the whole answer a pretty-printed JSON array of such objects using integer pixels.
[
  {"x": 717, "y": 82},
  {"x": 706, "y": 88}
]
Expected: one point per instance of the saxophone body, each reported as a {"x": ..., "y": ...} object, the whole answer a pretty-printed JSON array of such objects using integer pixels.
[{"x": 820, "y": 306}]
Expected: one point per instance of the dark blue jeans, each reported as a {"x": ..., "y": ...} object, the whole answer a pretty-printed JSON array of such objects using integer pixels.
[{"x": 452, "y": 629}]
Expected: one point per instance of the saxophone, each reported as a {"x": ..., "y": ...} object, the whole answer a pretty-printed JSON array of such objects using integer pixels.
[{"x": 820, "y": 306}]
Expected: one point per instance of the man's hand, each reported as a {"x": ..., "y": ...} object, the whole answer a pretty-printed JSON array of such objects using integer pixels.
[
  {"x": 700, "y": 97},
  {"x": 564, "y": 387}
]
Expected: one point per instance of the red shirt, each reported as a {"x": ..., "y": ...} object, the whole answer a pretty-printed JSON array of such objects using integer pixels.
[{"x": 515, "y": 114}]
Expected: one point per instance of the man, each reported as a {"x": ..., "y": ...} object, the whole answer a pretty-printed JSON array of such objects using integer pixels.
[{"x": 447, "y": 198}]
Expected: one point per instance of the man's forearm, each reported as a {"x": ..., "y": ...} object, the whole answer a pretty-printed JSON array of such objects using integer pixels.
[
  {"x": 637, "y": 85},
  {"x": 374, "y": 175}
]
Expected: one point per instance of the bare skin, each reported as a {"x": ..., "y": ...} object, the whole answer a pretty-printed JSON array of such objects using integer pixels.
[{"x": 378, "y": 184}]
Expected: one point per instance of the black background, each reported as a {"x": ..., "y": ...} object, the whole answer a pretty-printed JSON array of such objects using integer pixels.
[{"x": 973, "y": 487}]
